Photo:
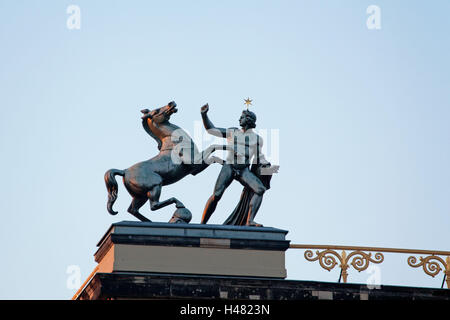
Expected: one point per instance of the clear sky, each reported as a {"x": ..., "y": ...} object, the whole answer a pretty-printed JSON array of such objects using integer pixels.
[{"x": 363, "y": 118}]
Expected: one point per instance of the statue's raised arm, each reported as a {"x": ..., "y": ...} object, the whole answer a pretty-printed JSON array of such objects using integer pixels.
[{"x": 209, "y": 126}]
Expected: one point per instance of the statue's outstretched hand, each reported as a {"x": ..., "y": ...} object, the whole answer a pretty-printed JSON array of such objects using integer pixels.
[
  {"x": 274, "y": 168},
  {"x": 269, "y": 169},
  {"x": 204, "y": 109}
]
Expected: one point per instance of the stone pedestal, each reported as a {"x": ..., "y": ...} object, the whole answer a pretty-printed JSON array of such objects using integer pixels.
[{"x": 193, "y": 249}]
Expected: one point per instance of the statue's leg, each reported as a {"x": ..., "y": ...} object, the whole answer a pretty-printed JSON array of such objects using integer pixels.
[
  {"x": 223, "y": 181},
  {"x": 249, "y": 180},
  {"x": 135, "y": 205},
  {"x": 155, "y": 204}
]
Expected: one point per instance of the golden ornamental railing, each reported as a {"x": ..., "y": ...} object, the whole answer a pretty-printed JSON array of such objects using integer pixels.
[{"x": 432, "y": 262}]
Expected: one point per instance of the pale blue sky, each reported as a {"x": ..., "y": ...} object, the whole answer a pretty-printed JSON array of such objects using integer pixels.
[{"x": 363, "y": 119}]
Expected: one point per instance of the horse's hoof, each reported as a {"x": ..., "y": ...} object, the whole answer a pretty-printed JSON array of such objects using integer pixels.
[
  {"x": 139, "y": 216},
  {"x": 181, "y": 215},
  {"x": 179, "y": 204}
]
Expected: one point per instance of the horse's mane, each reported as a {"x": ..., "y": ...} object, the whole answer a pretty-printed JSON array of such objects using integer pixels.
[{"x": 146, "y": 128}]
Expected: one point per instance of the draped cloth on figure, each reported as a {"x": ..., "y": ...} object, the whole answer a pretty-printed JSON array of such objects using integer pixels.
[{"x": 240, "y": 214}]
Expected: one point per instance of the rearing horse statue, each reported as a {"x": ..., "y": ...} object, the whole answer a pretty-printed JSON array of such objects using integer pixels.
[{"x": 178, "y": 156}]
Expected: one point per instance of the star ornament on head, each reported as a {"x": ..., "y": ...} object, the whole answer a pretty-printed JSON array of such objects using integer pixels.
[{"x": 248, "y": 102}]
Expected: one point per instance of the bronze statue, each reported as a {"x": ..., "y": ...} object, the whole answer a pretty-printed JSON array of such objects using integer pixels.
[
  {"x": 178, "y": 156},
  {"x": 245, "y": 144}
]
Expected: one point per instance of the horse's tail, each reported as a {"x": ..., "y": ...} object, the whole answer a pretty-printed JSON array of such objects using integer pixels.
[{"x": 111, "y": 185}]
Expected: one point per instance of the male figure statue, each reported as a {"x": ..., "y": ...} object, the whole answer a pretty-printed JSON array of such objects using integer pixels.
[{"x": 246, "y": 144}]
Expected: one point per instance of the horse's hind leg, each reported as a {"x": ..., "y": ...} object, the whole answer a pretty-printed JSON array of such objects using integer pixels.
[
  {"x": 155, "y": 204},
  {"x": 135, "y": 205}
]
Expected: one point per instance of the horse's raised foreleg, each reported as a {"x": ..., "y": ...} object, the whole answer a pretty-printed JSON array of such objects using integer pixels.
[
  {"x": 203, "y": 159},
  {"x": 204, "y": 156},
  {"x": 135, "y": 205},
  {"x": 155, "y": 204}
]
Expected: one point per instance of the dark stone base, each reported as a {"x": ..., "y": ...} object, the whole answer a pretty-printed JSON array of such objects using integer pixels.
[
  {"x": 151, "y": 247},
  {"x": 126, "y": 285}
]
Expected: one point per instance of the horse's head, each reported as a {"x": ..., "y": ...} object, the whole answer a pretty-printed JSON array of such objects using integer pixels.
[{"x": 162, "y": 114}]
